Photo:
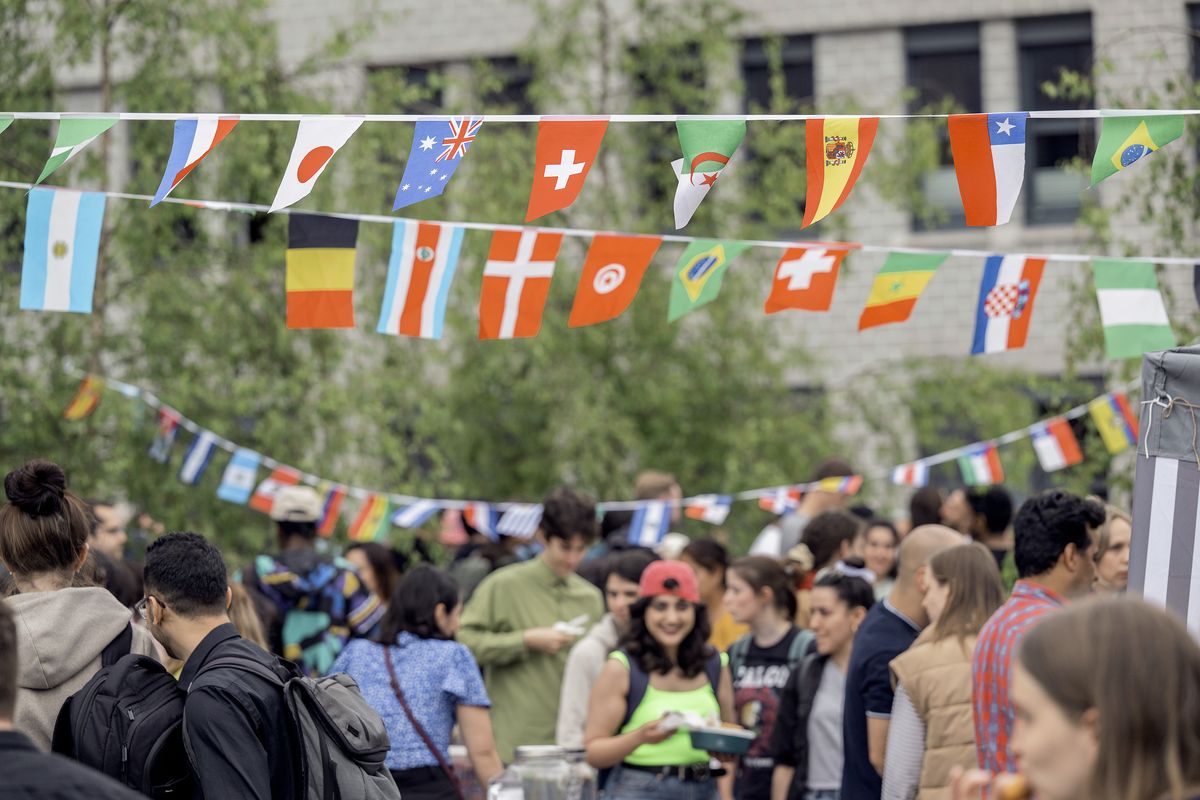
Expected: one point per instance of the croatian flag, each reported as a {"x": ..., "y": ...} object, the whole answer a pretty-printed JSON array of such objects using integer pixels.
[
  {"x": 520, "y": 521},
  {"x": 438, "y": 147},
  {"x": 650, "y": 523},
  {"x": 62, "y": 241},
  {"x": 981, "y": 466},
  {"x": 424, "y": 255},
  {"x": 414, "y": 515},
  {"x": 194, "y": 139},
  {"x": 710, "y": 508},
  {"x": 1005, "y": 307},
  {"x": 914, "y": 474},
  {"x": 197, "y": 458},
  {"x": 237, "y": 484},
  {"x": 989, "y": 161},
  {"x": 1056, "y": 445}
]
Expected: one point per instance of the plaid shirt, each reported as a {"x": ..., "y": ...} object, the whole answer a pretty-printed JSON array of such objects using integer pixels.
[{"x": 994, "y": 651}]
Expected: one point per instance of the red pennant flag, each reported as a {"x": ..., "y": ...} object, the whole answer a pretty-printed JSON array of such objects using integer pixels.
[
  {"x": 805, "y": 278},
  {"x": 612, "y": 275},
  {"x": 516, "y": 281},
  {"x": 566, "y": 150}
]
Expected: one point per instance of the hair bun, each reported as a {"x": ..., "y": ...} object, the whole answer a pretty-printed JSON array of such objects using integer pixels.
[{"x": 37, "y": 488}]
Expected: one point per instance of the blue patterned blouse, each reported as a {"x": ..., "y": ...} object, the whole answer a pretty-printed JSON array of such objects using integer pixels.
[{"x": 436, "y": 677}]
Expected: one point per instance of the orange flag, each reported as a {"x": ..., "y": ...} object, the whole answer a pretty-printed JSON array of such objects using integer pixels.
[
  {"x": 516, "y": 282},
  {"x": 805, "y": 278},
  {"x": 566, "y": 150},
  {"x": 836, "y": 154},
  {"x": 612, "y": 275},
  {"x": 86, "y": 398}
]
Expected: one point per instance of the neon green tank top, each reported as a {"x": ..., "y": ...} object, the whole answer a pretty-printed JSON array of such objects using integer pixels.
[{"x": 676, "y": 751}]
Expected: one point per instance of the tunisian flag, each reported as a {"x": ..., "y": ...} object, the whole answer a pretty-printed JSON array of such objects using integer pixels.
[{"x": 612, "y": 275}]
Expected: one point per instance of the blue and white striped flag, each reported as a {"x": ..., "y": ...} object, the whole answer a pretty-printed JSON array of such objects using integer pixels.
[
  {"x": 650, "y": 523},
  {"x": 414, "y": 515},
  {"x": 520, "y": 520},
  {"x": 195, "y": 461},
  {"x": 62, "y": 241},
  {"x": 240, "y": 477},
  {"x": 482, "y": 517}
]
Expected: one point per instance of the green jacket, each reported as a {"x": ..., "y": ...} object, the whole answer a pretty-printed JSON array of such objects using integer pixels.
[{"x": 522, "y": 684}]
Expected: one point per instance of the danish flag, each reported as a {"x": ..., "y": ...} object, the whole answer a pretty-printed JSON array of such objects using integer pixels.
[{"x": 516, "y": 281}]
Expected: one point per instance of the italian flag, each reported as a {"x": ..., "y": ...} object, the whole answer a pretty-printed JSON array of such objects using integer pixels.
[
  {"x": 1131, "y": 308},
  {"x": 981, "y": 467}
]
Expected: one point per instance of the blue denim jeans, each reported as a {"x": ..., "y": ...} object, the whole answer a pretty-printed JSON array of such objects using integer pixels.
[
  {"x": 822, "y": 794},
  {"x": 632, "y": 784}
]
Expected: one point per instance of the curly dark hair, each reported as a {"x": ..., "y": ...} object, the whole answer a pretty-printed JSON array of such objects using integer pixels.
[
  {"x": 1047, "y": 523},
  {"x": 568, "y": 514},
  {"x": 995, "y": 503},
  {"x": 187, "y": 573},
  {"x": 694, "y": 650}
]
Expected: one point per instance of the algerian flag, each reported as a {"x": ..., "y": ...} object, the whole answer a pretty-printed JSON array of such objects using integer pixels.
[
  {"x": 5, "y": 121},
  {"x": 1131, "y": 308},
  {"x": 707, "y": 147},
  {"x": 1124, "y": 140},
  {"x": 74, "y": 134},
  {"x": 699, "y": 274}
]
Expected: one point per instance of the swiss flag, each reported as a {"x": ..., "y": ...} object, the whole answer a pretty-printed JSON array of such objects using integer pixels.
[
  {"x": 516, "y": 281},
  {"x": 612, "y": 275},
  {"x": 317, "y": 139},
  {"x": 566, "y": 150},
  {"x": 805, "y": 278}
]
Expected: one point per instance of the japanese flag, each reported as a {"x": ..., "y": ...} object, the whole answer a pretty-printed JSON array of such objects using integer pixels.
[{"x": 317, "y": 139}]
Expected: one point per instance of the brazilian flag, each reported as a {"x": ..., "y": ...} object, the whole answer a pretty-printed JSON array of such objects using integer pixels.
[{"x": 1126, "y": 139}]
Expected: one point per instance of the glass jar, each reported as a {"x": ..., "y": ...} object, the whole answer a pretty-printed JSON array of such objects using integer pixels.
[{"x": 546, "y": 772}]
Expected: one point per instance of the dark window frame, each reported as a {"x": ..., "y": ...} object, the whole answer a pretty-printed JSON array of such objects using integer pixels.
[{"x": 796, "y": 53}]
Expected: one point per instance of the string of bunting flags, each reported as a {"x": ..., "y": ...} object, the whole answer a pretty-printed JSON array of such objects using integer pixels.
[
  {"x": 62, "y": 235},
  {"x": 1054, "y": 442}
]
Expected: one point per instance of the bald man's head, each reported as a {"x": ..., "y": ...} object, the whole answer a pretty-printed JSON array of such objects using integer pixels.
[{"x": 922, "y": 544}]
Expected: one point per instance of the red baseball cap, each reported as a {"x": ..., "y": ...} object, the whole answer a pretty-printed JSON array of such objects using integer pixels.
[{"x": 673, "y": 578}]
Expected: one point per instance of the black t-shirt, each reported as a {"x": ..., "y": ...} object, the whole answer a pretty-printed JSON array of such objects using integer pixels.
[{"x": 757, "y": 688}]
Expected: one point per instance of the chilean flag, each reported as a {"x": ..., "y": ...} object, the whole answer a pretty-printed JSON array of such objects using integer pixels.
[
  {"x": 989, "y": 160},
  {"x": 1006, "y": 296},
  {"x": 1055, "y": 444},
  {"x": 194, "y": 139}
]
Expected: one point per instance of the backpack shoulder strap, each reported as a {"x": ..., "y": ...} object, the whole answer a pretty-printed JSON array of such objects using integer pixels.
[
  {"x": 712, "y": 666},
  {"x": 737, "y": 654},
  {"x": 122, "y": 645},
  {"x": 639, "y": 681},
  {"x": 800, "y": 646},
  {"x": 245, "y": 664}
]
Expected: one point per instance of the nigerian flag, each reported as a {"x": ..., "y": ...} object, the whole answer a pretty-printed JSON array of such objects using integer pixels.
[
  {"x": 699, "y": 274},
  {"x": 707, "y": 147},
  {"x": 1131, "y": 308},
  {"x": 74, "y": 134},
  {"x": 1126, "y": 139}
]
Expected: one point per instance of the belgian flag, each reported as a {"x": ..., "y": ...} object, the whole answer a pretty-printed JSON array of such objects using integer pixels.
[{"x": 320, "y": 271}]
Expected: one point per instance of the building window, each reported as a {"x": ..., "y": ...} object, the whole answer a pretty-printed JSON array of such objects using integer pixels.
[
  {"x": 943, "y": 75},
  {"x": 795, "y": 67},
  {"x": 505, "y": 87},
  {"x": 1194, "y": 22},
  {"x": 408, "y": 89},
  {"x": 1048, "y": 47}
]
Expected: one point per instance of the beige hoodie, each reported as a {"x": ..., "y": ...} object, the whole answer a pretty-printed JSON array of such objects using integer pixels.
[{"x": 60, "y": 636}]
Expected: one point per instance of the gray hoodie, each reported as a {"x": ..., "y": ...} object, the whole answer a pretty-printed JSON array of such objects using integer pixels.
[{"x": 60, "y": 635}]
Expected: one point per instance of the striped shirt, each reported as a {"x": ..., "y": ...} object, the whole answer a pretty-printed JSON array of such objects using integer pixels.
[{"x": 991, "y": 670}]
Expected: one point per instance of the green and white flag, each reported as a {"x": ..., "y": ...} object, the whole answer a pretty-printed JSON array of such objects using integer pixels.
[
  {"x": 1126, "y": 140},
  {"x": 707, "y": 147},
  {"x": 699, "y": 274},
  {"x": 5, "y": 121},
  {"x": 1131, "y": 308},
  {"x": 74, "y": 134}
]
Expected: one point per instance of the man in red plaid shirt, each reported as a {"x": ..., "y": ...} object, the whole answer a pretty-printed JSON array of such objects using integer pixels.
[{"x": 1053, "y": 551}]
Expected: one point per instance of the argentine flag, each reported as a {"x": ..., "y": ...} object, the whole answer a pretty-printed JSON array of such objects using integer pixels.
[
  {"x": 62, "y": 241},
  {"x": 240, "y": 477}
]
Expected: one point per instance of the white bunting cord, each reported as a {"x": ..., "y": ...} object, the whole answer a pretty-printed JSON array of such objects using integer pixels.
[
  {"x": 587, "y": 233},
  {"x": 151, "y": 400}
]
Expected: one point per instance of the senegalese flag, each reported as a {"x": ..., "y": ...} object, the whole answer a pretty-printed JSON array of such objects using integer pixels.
[
  {"x": 899, "y": 283},
  {"x": 1127, "y": 139},
  {"x": 699, "y": 274},
  {"x": 836, "y": 152},
  {"x": 74, "y": 134},
  {"x": 320, "y": 271},
  {"x": 86, "y": 398},
  {"x": 371, "y": 524},
  {"x": 1115, "y": 420}
]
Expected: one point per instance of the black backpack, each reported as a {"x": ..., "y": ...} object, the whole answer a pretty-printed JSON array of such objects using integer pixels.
[{"x": 127, "y": 722}]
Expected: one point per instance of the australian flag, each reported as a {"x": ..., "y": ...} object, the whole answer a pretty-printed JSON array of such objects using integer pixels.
[{"x": 438, "y": 147}]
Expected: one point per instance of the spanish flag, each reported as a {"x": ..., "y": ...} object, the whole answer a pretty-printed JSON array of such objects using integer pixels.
[
  {"x": 899, "y": 283},
  {"x": 86, "y": 399},
  {"x": 320, "y": 271},
  {"x": 837, "y": 151}
]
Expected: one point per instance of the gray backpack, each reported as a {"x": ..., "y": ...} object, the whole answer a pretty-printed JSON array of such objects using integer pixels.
[{"x": 342, "y": 741}]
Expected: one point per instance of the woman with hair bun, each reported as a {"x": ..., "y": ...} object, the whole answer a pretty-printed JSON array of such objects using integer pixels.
[{"x": 61, "y": 629}]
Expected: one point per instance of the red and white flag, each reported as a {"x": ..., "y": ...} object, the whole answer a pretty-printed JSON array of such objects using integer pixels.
[
  {"x": 1055, "y": 444},
  {"x": 612, "y": 275},
  {"x": 264, "y": 496},
  {"x": 317, "y": 139},
  {"x": 804, "y": 279},
  {"x": 914, "y": 474},
  {"x": 780, "y": 500},
  {"x": 566, "y": 150},
  {"x": 516, "y": 281}
]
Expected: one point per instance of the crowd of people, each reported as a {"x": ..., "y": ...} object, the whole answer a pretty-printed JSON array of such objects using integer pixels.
[{"x": 974, "y": 649}]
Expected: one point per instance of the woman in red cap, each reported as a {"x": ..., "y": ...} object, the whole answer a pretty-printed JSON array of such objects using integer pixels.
[{"x": 664, "y": 665}]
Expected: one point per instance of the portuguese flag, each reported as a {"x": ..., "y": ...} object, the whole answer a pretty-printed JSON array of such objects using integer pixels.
[
  {"x": 899, "y": 283},
  {"x": 1125, "y": 140}
]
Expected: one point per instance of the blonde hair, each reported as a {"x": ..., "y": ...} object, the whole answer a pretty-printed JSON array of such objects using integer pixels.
[
  {"x": 1104, "y": 532},
  {"x": 244, "y": 616},
  {"x": 652, "y": 484}
]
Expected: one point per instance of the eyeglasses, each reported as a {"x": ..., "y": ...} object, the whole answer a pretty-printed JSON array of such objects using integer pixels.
[{"x": 140, "y": 608}]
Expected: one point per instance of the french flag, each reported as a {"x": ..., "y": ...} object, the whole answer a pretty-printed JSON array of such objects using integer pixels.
[
  {"x": 914, "y": 474},
  {"x": 989, "y": 160},
  {"x": 1056, "y": 445},
  {"x": 194, "y": 139},
  {"x": 1006, "y": 296}
]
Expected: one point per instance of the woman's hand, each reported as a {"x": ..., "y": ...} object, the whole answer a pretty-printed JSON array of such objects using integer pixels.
[
  {"x": 654, "y": 733},
  {"x": 969, "y": 785}
]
